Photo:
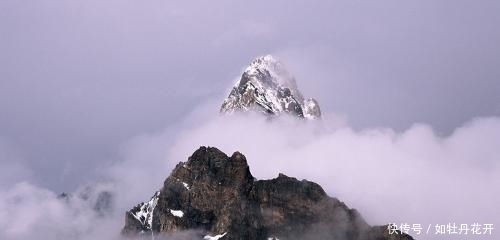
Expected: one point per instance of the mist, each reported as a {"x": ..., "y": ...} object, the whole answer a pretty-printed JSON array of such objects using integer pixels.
[
  {"x": 107, "y": 96},
  {"x": 412, "y": 176},
  {"x": 78, "y": 78}
]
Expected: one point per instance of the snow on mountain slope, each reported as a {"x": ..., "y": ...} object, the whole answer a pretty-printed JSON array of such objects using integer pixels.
[
  {"x": 266, "y": 86},
  {"x": 144, "y": 212}
]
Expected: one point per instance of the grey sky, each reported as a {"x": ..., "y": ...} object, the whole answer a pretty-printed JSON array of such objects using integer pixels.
[{"x": 78, "y": 78}]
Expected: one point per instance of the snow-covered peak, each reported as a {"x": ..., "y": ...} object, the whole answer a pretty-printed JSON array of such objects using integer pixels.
[
  {"x": 264, "y": 62},
  {"x": 271, "y": 72},
  {"x": 267, "y": 86}
]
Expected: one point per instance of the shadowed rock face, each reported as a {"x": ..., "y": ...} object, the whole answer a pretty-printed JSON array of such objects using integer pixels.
[{"x": 216, "y": 196}]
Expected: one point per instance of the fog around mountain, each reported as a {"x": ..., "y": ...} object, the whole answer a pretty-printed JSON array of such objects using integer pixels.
[
  {"x": 412, "y": 176},
  {"x": 107, "y": 96}
]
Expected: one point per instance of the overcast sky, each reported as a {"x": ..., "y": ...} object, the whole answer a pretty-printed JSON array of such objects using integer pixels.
[
  {"x": 112, "y": 94},
  {"x": 80, "y": 78}
]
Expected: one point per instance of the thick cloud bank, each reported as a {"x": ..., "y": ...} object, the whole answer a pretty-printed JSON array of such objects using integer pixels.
[
  {"x": 413, "y": 177},
  {"x": 408, "y": 177}
]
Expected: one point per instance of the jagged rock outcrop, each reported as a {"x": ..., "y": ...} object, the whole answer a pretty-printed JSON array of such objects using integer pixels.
[
  {"x": 266, "y": 86},
  {"x": 216, "y": 197}
]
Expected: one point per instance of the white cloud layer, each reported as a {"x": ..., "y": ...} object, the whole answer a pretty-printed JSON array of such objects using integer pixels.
[{"x": 411, "y": 177}]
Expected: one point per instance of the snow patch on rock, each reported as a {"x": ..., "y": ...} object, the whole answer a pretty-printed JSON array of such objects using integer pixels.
[
  {"x": 145, "y": 211},
  {"x": 177, "y": 213},
  {"x": 216, "y": 237}
]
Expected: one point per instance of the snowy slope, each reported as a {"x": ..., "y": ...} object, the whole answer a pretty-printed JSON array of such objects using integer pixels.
[
  {"x": 144, "y": 211},
  {"x": 267, "y": 86}
]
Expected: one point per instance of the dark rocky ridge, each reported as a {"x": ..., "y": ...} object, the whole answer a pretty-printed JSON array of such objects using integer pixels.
[{"x": 216, "y": 195}]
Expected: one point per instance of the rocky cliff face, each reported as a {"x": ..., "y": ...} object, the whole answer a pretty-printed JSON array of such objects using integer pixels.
[
  {"x": 266, "y": 86},
  {"x": 215, "y": 196}
]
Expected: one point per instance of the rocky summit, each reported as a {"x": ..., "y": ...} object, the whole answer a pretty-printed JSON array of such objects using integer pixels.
[
  {"x": 266, "y": 86},
  {"x": 213, "y": 196}
]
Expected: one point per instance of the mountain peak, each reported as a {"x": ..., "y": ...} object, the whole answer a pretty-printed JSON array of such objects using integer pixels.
[
  {"x": 215, "y": 196},
  {"x": 267, "y": 86}
]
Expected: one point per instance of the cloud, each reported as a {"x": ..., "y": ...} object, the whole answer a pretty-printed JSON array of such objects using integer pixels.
[
  {"x": 80, "y": 77},
  {"x": 28, "y": 212},
  {"x": 76, "y": 82},
  {"x": 412, "y": 176}
]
